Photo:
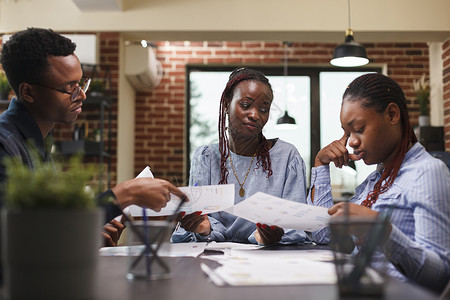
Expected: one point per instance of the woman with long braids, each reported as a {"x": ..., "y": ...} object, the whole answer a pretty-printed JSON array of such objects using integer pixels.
[
  {"x": 246, "y": 158},
  {"x": 409, "y": 184}
]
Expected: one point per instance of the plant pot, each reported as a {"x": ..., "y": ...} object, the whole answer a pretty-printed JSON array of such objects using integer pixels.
[
  {"x": 96, "y": 94},
  {"x": 50, "y": 254},
  {"x": 424, "y": 121}
]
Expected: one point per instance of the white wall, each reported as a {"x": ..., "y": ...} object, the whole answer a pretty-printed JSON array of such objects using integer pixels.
[
  {"x": 300, "y": 20},
  {"x": 436, "y": 82},
  {"x": 125, "y": 123}
]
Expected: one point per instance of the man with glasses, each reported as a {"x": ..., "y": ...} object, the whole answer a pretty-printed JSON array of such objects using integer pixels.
[
  {"x": 83, "y": 85},
  {"x": 47, "y": 79}
]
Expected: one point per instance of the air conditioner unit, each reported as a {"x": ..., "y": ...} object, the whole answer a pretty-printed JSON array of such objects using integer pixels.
[{"x": 142, "y": 69}]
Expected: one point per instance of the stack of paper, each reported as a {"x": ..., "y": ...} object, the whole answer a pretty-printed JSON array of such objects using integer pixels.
[
  {"x": 282, "y": 268},
  {"x": 172, "y": 250},
  {"x": 178, "y": 249}
]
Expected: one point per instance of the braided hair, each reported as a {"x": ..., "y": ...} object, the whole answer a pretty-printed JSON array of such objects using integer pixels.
[
  {"x": 263, "y": 156},
  {"x": 377, "y": 91}
]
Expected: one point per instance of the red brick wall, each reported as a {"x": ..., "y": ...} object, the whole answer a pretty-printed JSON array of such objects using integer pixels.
[
  {"x": 446, "y": 83},
  {"x": 160, "y": 114}
]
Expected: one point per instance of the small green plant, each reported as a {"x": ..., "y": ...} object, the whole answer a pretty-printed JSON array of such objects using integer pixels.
[
  {"x": 4, "y": 86},
  {"x": 97, "y": 86},
  {"x": 422, "y": 89},
  {"x": 48, "y": 186}
]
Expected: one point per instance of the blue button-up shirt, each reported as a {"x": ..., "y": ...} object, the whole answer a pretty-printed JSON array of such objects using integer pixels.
[{"x": 418, "y": 247}]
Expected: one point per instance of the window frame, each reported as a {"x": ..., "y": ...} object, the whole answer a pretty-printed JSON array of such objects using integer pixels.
[{"x": 313, "y": 72}]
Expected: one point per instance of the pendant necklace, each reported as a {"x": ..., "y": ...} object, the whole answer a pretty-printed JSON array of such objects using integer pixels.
[{"x": 241, "y": 190}]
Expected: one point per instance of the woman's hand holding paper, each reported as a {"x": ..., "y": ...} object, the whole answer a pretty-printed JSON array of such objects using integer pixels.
[
  {"x": 195, "y": 222},
  {"x": 267, "y": 235}
]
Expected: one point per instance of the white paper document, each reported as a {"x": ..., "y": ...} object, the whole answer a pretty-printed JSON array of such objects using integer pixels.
[
  {"x": 145, "y": 173},
  {"x": 245, "y": 269},
  {"x": 266, "y": 209},
  {"x": 207, "y": 199},
  {"x": 172, "y": 250},
  {"x": 178, "y": 249}
]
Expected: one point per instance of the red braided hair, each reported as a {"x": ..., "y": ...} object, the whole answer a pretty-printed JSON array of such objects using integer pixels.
[
  {"x": 263, "y": 156},
  {"x": 377, "y": 91}
]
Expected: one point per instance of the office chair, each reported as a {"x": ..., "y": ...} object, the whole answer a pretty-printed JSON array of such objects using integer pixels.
[
  {"x": 442, "y": 155},
  {"x": 446, "y": 293}
]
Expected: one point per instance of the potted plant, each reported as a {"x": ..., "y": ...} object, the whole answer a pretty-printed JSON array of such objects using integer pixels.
[
  {"x": 97, "y": 87},
  {"x": 422, "y": 89},
  {"x": 50, "y": 232},
  {"x": 4, "y": 86}
]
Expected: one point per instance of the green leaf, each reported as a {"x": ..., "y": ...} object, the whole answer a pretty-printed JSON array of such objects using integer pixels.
[{"x": 47, "y": 185}]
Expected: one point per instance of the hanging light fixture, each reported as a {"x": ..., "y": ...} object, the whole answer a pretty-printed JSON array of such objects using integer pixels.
[
  {"x": 349, "y": 54},
  {"x": 286, "y": 121}
]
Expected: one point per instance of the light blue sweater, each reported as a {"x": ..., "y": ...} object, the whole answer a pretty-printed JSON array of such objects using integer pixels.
[{"x": 287, "y": 182}]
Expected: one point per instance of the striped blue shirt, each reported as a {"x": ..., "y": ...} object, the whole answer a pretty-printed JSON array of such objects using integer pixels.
[{"x": 418, "y": 247}]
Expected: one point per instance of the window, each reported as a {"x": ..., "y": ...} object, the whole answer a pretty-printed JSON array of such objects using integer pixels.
[
  {"x": 332, "y": 87},
  {"x": 312, "y": 97}
]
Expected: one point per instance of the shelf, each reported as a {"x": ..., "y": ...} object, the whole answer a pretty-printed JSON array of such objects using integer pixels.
[
  {"x": 81, "y": 146},
  {"x": 97, "y": 100}
]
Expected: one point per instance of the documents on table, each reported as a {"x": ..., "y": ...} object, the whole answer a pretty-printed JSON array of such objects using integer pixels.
[
  {"x": 172, "y": 250},
  {"x": 287, "y": 268},
  {"x": 207, "y": 199},
  {"x": 178, "y": 249},
  {"x": 247, "y": 264},
  {"x": 267, "y": 209}
]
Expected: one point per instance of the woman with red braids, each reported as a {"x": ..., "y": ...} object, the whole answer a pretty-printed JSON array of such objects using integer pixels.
[
  {"x": 246, "y": 158},
  {"x": 409, "y": 184}
]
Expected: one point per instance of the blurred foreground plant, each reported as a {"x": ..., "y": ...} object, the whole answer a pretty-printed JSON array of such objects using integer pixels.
[{"x": 47, "y": 185}]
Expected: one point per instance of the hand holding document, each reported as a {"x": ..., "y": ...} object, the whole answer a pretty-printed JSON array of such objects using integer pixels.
[
  {"x": 271, "y": 210},
  {"x": 206, "y": 199}
]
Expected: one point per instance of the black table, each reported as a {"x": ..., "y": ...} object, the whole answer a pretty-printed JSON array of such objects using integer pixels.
[{"x": 188, "y": 282}]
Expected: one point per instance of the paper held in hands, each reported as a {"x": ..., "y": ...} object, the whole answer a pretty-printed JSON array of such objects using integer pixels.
[
  {"x": 206, "y": 199},
  {"x": 266, "y": 209}
]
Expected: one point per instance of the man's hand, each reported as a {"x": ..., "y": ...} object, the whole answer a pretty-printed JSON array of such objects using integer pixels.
[
  {"x": 146, "y": 192},
  {"x": 111, "y": 233}
]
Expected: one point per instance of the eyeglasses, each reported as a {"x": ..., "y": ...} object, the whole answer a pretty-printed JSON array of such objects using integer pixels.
[{"x": 82, "y": 86}]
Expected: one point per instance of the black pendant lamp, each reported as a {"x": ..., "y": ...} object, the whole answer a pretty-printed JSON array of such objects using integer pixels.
[
  {"x": 350, "y": 53},
  {"x": 286, "y": 121}
]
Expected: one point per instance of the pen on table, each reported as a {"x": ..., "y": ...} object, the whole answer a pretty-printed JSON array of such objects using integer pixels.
[{"x": 178, "y": 226}]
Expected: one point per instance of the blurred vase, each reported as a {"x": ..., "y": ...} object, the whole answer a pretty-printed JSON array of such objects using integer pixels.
[
  {"x": 50, "y": 254},
  {"x": 424, "y": 121}
]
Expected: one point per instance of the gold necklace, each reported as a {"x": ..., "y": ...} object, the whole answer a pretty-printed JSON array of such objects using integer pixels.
[{"x": 241, "y": 190}]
